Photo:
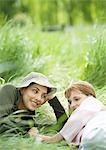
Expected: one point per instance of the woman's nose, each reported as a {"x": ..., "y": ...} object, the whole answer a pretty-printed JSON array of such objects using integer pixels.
[{"x": 39, "y": 99}]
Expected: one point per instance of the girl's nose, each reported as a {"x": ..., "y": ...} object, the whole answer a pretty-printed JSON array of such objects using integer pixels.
[{"x": 72, "y": 105}]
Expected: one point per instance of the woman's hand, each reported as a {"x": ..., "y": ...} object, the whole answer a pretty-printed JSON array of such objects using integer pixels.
[
  {"x": 51, "y": 139},
  {"x": 49, "y": 97},
  {"x": 33, "y": 132}
]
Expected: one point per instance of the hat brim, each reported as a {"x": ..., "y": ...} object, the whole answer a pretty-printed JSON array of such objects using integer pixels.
[{"x": 46, "y": 84}]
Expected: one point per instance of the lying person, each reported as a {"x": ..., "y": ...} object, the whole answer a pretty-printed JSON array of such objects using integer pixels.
[
  {"x": 18, "y": 104},
  {"x": 82, "y": 100}
]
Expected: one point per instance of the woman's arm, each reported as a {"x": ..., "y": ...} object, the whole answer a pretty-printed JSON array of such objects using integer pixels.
[
  {"x": 34, "y": 133},
  {"x": 59, "y": 111}
]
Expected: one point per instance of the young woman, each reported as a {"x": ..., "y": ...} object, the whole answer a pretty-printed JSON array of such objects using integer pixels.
[
  {"x": 18, "y": 104},
  {"x": 82, "y": 100}
]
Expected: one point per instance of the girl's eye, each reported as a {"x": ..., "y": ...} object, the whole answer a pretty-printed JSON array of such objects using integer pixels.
[
  {"x": 69, "y": 101},
  {"x": 77, "y": 99}
]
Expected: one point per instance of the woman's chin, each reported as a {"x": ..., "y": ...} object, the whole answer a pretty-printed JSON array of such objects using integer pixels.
[{"x": 32, "y": 108}]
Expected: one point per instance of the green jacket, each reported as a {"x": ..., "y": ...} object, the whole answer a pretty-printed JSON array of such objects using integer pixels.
[{"x": 9, "y": 97}]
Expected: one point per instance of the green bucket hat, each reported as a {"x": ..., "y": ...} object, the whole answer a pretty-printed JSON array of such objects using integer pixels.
[{"x": 38, "y": 78}]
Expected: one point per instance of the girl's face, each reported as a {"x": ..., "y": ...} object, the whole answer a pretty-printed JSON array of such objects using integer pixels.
[
  {"x": 33, "y": 96},
  {"x": 75, "y": 99}
]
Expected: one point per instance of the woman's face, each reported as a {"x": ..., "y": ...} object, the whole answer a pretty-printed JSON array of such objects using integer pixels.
[
  {"x": 75, "y": 99},
  {"x": 33, "y": 96}
]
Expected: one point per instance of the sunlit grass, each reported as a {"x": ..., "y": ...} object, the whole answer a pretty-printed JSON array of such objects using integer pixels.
[
  {"x": 19, "y": 143},
  {"x": 74, "y": 54}
]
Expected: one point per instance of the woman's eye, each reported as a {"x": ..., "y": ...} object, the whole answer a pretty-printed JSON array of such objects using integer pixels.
[
  {"x": 44, "y": 96},
  {"x": 34, "y": 91}
]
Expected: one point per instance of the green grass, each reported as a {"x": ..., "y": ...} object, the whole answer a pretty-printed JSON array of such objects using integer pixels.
[
  {"x": 78, "y": 53},
  {"x": 14, "y": 143},
  {"x": 95, "y": 70},
  {"x": 14, "y": 52}
]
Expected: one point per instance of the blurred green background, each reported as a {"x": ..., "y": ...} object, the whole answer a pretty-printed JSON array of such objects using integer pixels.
[
  {"x": 64, "y": 39},
  {"x": 54, "y": 12}
]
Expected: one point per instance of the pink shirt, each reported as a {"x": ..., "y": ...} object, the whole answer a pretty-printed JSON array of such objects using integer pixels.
[{"x": 73, "y": 129}]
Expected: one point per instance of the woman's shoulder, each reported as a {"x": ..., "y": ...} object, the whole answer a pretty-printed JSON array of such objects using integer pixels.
[{"x": 8, "y": 88}]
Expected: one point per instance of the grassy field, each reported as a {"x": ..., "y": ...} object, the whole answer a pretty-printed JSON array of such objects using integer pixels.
[
  {"x": 78, "y": 53},
  {"x": 28, "y": 144}
]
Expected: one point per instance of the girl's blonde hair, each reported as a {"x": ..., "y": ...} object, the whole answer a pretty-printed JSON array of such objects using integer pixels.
[{"x": 83, "y": 86}]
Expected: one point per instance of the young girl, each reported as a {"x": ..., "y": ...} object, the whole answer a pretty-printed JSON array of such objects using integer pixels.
[{"x": 82, "y": 100}]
